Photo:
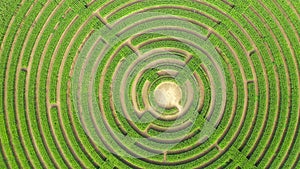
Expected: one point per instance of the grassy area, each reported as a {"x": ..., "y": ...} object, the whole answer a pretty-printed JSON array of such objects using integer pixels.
[{"x": 78, "y": 80}]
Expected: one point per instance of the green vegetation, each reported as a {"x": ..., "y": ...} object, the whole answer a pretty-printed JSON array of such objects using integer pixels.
[{"x": 78, "y": 79}]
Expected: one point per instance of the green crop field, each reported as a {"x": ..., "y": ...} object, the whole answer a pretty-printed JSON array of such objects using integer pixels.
[{"x": 116, "y": 84}]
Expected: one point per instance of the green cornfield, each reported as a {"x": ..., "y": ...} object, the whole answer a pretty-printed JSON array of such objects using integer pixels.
[{"x": 116, "y": 84}]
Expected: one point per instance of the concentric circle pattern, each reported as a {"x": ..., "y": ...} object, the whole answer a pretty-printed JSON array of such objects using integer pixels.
[{"x": 150, "y": 84}]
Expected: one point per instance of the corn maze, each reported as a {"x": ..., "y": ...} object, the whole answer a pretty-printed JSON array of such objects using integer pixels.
[{"x": 150, "y": 84}]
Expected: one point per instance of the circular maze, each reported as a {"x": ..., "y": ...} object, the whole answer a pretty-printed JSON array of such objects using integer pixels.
[{"x": 150, "y": 84}]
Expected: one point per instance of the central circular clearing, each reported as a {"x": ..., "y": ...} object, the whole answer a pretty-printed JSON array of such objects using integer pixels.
[{"x": 168, "y": 95}]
